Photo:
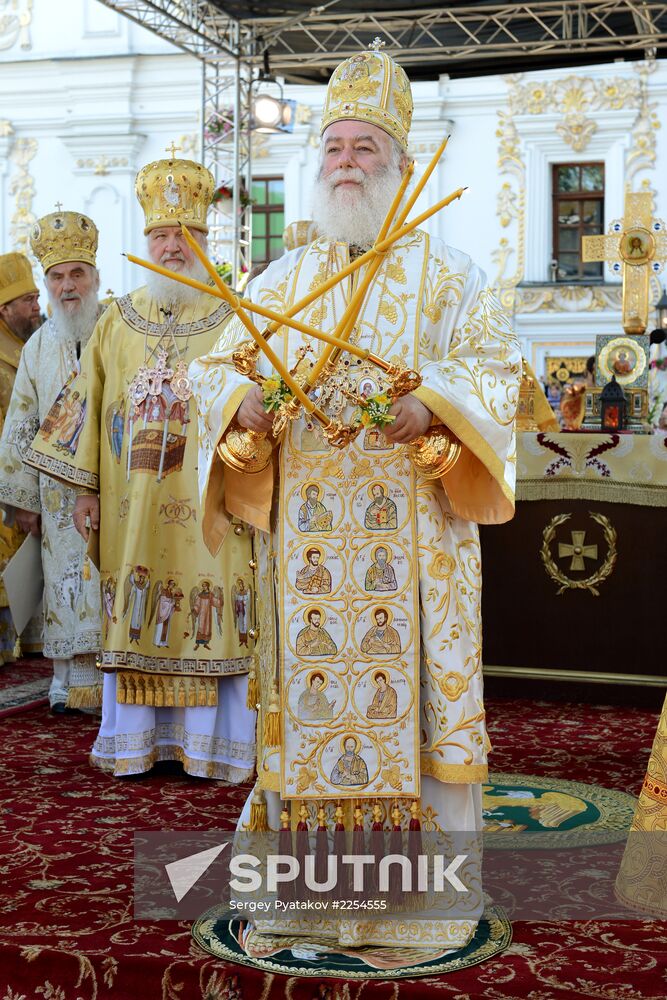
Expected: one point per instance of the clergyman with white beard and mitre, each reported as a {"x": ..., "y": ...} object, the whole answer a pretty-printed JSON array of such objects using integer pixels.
[
  {"x": 175, "y": 666},
  {"x": 429, "y": 309},
  {"x": 65, "y": 243}
]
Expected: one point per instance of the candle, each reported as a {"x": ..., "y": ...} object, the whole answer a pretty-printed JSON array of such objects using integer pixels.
[
  {"x": 277, "y": 318},
  {"x": 397, "y": 234},
  {"x": 344, "y": 328},
  {"x": 227, "y": 294}
]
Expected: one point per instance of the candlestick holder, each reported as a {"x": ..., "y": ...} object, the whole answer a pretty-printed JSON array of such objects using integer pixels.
[
  {"x": 435, "y": 452},
  {"x": 245, "y": 450}
]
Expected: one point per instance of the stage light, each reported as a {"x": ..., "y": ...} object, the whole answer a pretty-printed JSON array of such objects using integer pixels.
[{"x": 272, "y": 114}]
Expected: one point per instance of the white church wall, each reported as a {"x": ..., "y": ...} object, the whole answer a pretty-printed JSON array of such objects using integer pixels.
[{"x": 87, "y": 97}]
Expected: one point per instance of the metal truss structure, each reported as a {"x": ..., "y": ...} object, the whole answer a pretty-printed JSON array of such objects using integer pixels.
[{"x": 305, "y": 42}]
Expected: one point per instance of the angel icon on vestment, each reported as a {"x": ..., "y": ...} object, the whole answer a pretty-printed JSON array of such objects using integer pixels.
[
  {"x": 165, "y": 601},
  {"x": 108, "y": 601},
  {"x": 241, "y": 608},
  {"x": 205, "y": 603},
  {"x": 136, "y": 596}
]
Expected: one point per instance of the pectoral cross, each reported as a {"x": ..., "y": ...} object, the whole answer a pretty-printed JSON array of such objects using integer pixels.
[
  {"x": 637, "y": 246},
  {"x": 578, "y": 551},
  {"x": 172, "y": 149}
]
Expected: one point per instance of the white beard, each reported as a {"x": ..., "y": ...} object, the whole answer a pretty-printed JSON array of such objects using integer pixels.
[
  {"x": 79, "y": 324},
  {"x": 172, "y": 293},
  {"x": 354, "y": 215}
]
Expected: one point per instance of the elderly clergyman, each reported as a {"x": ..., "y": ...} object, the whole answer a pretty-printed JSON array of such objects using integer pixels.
[
  {"x": 430, "y": 308},
  {"x": 175, "y": 668},
  {"x": 65, "y": 243}
]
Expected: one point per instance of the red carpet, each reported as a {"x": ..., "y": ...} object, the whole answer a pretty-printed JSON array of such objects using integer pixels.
[
  {"x": 24, "y": 683},
  {"x": 66, "y": 925}
]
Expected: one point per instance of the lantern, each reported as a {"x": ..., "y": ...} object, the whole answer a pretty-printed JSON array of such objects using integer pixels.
[{"x": 612, "y": 407}]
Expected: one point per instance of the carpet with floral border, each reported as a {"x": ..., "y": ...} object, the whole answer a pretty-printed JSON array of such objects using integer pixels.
[{"x": 66, "y": 920}]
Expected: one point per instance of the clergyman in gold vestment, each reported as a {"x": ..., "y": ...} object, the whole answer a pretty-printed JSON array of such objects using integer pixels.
[
  {"x": 19, "y": 318},
  {"x": 175, "y": 664}
]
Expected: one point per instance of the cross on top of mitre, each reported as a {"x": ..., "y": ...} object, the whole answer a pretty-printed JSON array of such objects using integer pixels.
[{"x": 635, "y": 246}]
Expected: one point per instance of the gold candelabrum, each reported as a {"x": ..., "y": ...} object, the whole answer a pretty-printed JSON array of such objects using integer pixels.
[
  {"x": 433, "y": 454},
  {"x": 249, "y": 451}
]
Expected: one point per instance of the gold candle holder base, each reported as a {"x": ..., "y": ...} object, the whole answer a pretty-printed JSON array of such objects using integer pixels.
[
  {"x": 434, "y": 453},
  {"x": 245, "y": 450}
]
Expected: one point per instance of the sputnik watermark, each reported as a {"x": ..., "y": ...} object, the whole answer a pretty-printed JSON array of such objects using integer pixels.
[{"x": 283, "y": 869}]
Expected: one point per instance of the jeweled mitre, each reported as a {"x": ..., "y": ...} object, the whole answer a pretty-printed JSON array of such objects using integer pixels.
[
  {"x": 370, "y": 87},
  {"x": 173, "y": 192},
  {"x": 61, "y": 237}
]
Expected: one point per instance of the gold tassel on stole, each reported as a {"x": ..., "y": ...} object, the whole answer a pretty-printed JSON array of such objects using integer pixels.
[
  {"x": 252, "y": 698},
  {"x": 136, "y": 688},
  {"x": 85, "y": 697},
  {"x": 272, "y": 720},
  {"x": 259, "y": 817}
]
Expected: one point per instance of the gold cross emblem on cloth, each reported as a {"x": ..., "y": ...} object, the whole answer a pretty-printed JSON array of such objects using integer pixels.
[
  {"x": 636, "y": 246},
  {"x": 578, "y": 550}
]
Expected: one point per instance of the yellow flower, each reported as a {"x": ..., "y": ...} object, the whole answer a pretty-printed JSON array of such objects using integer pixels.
[
  {"x": 441, "y": 566},
  {"x": 453, "y": 685},
  {"x": 365, "y": 418},
  {"x": 272, "y": 383},
  {"x": 383, "y": 399}
]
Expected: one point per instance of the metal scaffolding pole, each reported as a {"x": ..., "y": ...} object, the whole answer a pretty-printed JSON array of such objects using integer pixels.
[{"x": 475, "y": 37}]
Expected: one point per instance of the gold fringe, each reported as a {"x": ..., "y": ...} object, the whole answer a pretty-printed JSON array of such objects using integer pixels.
[
  {"x": 86, "y": 568},
  {"x": 252, "y": 699},
  {"x": 259, "y": 817},
  {"x": 136, "y": 688},
  {"x": 18, "y": 653},
  {"x": 272, "y": 720},
  {"x": 85, "y": 697}
]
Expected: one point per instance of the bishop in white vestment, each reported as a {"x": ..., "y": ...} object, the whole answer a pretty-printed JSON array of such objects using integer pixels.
[{"x": 428, "y": 308}]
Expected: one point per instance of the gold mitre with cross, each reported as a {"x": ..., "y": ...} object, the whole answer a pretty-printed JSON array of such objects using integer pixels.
[
  {"x": 16, "y": 278},
  {"x": 636, "y": 247},
  {"x": 370, "y": 87},
  {"x": 62, "y": 237},
  {"x": 175, "y": 192}
]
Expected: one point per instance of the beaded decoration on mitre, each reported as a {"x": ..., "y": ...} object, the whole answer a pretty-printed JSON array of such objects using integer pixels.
[
  {"x": 370, "y": 87},
  {"x": 175, "y": 192},
  {"x": 61, "y": 237}
]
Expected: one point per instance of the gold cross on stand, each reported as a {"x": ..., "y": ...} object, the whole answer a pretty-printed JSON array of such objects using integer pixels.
[
  {"x": 636, "y": 246},
  {"x": 59, "y": 206},
  {"x": 577, "y": 550},
  {"x": 172, "y": 149}
]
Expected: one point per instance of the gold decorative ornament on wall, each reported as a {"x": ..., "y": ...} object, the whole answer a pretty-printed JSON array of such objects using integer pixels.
[
  {"x": 578, "y": 551},
  {"x": 575, "y": 98},
  {"x": 22, "y": 187}
]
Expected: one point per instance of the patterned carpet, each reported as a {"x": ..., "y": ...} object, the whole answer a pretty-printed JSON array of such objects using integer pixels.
[
  {"x": 66, "y": 924},
  {"x": 23, "y": 683}
]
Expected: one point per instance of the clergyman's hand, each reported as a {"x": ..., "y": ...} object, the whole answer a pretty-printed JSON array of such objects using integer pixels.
[
  {"x": 251, "y": 412},
  {"x": 86, "y": 514},
  {"x": 412, "y": 420},
  {"x": 28, "y": 522}
]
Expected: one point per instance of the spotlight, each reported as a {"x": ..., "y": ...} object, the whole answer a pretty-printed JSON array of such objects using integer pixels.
[{"x": 272, "y": 114}]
